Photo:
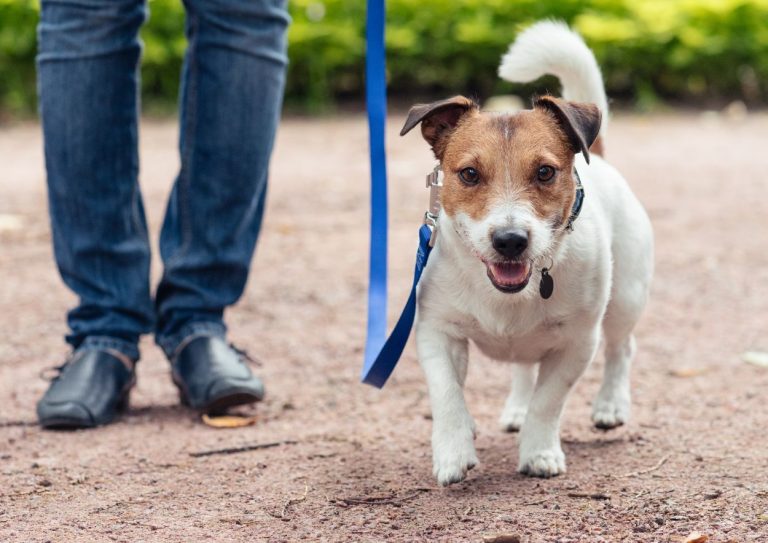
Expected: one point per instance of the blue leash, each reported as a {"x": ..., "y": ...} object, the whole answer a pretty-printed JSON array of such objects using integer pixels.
[{"x": 382, "y": 353}]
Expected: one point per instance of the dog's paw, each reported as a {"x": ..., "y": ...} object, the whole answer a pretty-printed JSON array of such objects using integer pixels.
[
  {"x": 512, "y": 418},
  {"x": 545, "y": 463},
  {"x": 610, "y": 413},
  {"x": 453, "y": 457},
  {"x": 451, "y": 467}
]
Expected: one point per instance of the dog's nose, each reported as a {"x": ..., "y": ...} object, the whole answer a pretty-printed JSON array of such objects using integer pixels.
[{"x": 509, "y": 243}]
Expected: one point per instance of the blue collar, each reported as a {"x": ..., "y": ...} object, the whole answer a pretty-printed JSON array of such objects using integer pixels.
[{"x": 577, "y": 203}]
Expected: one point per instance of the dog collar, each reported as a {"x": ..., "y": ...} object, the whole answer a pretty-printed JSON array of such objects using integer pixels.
[{"x": 577, "y": 203}]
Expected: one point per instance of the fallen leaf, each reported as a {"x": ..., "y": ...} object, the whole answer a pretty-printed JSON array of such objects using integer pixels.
[
  {"x": 696, "y": 537},
  {"x": 501, "y": 538},
  {"x": 228, "y": 421},
  {"x": 286, "y": 229},
  {"x": 756, "y": 358},
  {"x": 688, "y": 372}
]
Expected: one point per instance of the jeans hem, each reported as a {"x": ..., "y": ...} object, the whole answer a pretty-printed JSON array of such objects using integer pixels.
[
  {"x": 103, "y": 343},
  {"x": 170, "y": 344}
]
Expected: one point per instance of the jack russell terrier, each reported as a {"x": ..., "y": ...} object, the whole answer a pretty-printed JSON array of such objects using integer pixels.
[{"x": 542, "y": 250}]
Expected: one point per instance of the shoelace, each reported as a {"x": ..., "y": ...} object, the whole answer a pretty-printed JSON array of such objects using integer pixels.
[{"x": 244, "y": 356}]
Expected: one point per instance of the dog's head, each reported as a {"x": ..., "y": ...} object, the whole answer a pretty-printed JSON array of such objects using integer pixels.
[{"x": 509, "y": 185}]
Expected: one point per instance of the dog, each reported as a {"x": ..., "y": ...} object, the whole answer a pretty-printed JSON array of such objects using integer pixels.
[{"x": 542, "y": 251}]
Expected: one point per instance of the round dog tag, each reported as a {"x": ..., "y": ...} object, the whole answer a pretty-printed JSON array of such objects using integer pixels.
[{"x": 547, "y": 284}]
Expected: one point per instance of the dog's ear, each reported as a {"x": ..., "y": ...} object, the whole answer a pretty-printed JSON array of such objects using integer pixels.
[
  {"x": 580, "y": 121},
  {"x": 438, "y": 119}
]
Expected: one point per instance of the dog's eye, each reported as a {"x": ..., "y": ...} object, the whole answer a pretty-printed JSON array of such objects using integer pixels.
[
  {"x": 470, "y": 176},
  {"x": 545, "y": 174}
]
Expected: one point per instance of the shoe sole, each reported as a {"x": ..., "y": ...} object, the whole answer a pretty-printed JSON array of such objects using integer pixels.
[
  {"x": 233, "y": 397},
  {"x": 67, "y": 423}
]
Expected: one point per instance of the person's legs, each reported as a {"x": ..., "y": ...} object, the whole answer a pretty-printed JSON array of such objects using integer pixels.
[
  {"x": 88, "y": 84},
  {"x": 232, "y": 87}
]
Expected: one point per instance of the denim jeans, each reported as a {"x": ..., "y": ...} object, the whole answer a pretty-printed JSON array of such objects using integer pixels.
[{"x": 231, "y": 94}]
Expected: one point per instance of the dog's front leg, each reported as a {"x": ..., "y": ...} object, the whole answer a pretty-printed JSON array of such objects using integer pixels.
[
  {"x": 444, "y": 360},
  {"x": 540, "y": 452},
  {"x": 516, "y": 406}
]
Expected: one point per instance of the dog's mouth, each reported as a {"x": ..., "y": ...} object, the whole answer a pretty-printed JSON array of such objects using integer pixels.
[{"x": 509, "y": 276}]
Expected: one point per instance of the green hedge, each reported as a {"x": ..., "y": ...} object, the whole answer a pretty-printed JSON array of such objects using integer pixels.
[
  {"x": 673, "y": 49},
  {"x": 17, "y": 53}
]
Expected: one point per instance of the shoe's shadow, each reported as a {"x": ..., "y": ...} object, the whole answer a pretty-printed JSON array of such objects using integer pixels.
[
  {"x": 498, "y": 468},
  {"x": 154, "y": 414}
]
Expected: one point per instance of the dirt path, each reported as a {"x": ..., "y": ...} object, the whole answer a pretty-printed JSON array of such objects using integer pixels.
[{"x": 694, "y": 457}]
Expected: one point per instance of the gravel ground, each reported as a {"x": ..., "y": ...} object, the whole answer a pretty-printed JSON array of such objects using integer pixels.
[{"x": 354, "y": 463}]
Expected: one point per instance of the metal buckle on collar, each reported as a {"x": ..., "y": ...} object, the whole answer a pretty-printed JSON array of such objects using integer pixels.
[{"x": 434, "y": 184}]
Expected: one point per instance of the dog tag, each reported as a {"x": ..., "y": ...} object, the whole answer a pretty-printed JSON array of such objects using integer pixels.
[{"x": 547, "y": 284}]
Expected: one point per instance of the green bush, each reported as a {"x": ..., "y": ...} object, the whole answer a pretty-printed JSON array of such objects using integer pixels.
[
  {"x": 17, "y": 54},
  {"x": 693, "y": 50}
]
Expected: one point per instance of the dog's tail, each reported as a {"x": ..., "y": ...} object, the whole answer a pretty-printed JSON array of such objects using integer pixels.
[{"x": 550, "y": 47}]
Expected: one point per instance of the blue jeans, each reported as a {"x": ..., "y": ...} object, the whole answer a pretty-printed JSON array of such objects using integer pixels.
[{"x": 231, "y": 94}]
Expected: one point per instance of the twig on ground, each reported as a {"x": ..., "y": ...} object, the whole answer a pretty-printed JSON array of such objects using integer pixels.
[
  {"x": 107, "y": 507},
  {"x": 538, "y": 502},
  {"x": 389, "y": 499},
  {"x": 244, "y": 448},
  {"x": 322, "y": 455},
  {"x": 294, "y": 501},
  {"x": 590, "y": 495},
  {"x": 650, "y": 426},
  {"x": 290, "y": 502},
  {"x": 153, "y": 527},
  {"x": 713, "y": 495},
  {"x": 13, "y": 423},
  {"x": 465, "y": 516},
  {"x": 656, "y": 466},
  {"x": 42, "y": 490},
  {"x": 501, "y": 538}
]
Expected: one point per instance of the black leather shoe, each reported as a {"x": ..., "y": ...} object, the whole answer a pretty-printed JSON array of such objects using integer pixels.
[
  {"x": 90, "y": 390},
  {"x": 213, "y": 376}
]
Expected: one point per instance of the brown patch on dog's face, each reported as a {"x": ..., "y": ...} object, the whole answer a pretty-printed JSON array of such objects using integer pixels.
[
  {"x": 508, "y": 179},
  {"x": 507, "y": 152}
]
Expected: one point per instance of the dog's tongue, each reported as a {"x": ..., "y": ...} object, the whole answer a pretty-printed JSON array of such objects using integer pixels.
[{"x": 509, "y": 273}]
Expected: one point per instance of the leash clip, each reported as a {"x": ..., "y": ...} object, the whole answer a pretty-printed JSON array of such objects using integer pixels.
[{"x": 434, "y": 184}]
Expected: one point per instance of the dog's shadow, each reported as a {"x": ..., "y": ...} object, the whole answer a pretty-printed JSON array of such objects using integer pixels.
[{"x": 498, "y": 459}]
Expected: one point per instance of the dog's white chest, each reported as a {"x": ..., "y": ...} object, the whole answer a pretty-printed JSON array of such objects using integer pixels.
[{"x": 519, "y": 335}]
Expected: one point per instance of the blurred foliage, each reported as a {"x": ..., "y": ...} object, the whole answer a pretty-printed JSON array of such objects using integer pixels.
[
  {"x": 698, "y": 50},
  {"x": 18, "y": 41}
]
